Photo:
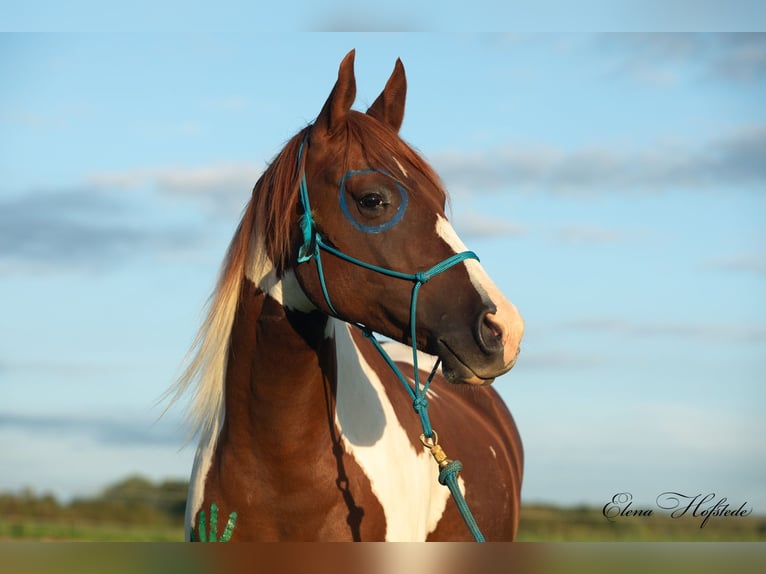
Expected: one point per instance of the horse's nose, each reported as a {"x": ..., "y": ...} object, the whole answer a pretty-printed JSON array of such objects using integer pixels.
[{"x": 490, "y": 333}]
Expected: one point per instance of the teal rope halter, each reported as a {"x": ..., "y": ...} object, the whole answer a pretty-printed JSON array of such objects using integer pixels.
[{"x": 312, "y": 248}]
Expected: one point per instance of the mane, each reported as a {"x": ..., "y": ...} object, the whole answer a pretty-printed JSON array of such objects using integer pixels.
[
  {"x": 261, "y": 239},
  {"x": 262, "y": 242}
]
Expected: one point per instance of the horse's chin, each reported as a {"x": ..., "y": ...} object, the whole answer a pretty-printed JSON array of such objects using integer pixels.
[
  {"x": 473, "y": 381},
  {"x": 458, "y": 372}
]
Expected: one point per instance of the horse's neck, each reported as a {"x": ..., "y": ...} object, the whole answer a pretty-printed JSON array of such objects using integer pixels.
[
  {"x": 278, "y": 392},
  {"x": 307, "y": 409}
]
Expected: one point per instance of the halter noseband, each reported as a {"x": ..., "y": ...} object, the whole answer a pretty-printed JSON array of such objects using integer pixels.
[{"x": 312, "y": 248}]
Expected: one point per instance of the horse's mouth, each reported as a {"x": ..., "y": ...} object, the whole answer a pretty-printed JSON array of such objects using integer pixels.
[{"x": 456, "y": 370}]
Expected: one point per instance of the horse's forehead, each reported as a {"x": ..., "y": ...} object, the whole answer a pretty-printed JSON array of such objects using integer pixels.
[{"x": 378, "y": 151}]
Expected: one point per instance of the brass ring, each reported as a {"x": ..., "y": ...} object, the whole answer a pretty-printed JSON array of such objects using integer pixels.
[{"x": 429, "y": 442}]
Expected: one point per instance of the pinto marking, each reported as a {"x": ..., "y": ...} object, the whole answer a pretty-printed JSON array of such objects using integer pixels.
[
  {"x": 409, "y": 492},
  {"x": 202, "y": 459},
  {"x": 507, "y": 317}
]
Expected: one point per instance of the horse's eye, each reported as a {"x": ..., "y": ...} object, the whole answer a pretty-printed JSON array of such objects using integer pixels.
[{"x": 372, "y": 201}]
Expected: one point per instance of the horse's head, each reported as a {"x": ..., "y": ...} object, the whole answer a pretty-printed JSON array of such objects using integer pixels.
[{"x": 373, "y": 199}]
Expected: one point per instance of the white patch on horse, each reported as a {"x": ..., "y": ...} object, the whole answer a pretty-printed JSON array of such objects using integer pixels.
[
  {"x": 479, "y": 278},
  {"x": 492, "y": 450},
  {"x": 286, "y": 291},
  {"x": 400, "y": 353},
  {"x": 202, "y": 460},
  {"x": 401, "y": 168},
  {"x": 404, "y": 480},
  {"x": 507, "y": 315},
  {"x": 259, "y": 268}
]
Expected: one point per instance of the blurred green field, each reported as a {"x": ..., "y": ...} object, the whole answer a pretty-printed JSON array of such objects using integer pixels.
[
  {"x": 56, "y": 530},
  {"x": 133, "y": 510},
  {"x": 136, "y": 510}
]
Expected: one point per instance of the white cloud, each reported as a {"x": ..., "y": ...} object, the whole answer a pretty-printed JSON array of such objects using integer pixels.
[
  {"x": 735, "y": 159},
  {"x": 719, "y": 333},
  {"x": 100, "y": 429},
  {"x": 473, "y": 224},
  {"x": 746, "y": 263},
  {"x": 661, "y": 59},
  {"x": 589, "y": 234},
  {"x": 83, "y": 466},
  {"x": 224, "y": 187},
  {"x": 45, "y": 231}
]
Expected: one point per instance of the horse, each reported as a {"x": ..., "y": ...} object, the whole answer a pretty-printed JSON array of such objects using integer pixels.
[{"x": 305, "y": 432}]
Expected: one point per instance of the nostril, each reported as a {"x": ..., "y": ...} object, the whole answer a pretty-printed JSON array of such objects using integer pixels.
[
  {"x": 490, "y": 334},
  {"x": 495, "y": 329}
]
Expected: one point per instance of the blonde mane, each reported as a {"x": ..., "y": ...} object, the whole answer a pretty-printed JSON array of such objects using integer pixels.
[
  {"x": 205, "y": 369},
  {"x": 261, "y": 238}
]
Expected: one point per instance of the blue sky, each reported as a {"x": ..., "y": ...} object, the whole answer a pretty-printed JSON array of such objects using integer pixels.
[{"x": 612, "y": 184}]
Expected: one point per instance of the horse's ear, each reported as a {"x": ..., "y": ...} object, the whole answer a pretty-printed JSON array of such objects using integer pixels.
[
  {"x": 389, "y": 107},
  {"x": 341, "y": 98}
]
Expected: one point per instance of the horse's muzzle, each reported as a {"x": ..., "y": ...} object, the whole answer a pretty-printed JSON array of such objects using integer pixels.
[{"x": 491, "y": 351}]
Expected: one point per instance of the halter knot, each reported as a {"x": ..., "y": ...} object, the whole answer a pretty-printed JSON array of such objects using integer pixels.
[
  {"x": 420, "y": 403},
  {"x": 449, "y": 470},
  {"x": 422, "y": 276}
]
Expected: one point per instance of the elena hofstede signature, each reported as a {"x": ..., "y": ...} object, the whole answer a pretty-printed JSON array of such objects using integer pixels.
[{"x": 704, "y": 506}]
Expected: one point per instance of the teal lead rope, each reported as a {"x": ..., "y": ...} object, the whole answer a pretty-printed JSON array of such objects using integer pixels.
[{"x": 311, "y": 249}]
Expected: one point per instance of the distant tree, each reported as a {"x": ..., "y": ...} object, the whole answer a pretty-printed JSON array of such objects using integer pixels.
[
  {"x": 133, "y": 500},
  {"x": 27, "y": 504}
]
